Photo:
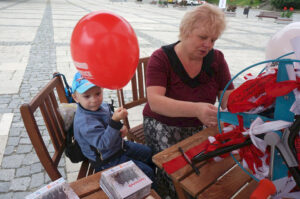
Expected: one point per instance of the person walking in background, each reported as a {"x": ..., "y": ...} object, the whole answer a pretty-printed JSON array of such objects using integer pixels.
[{"x": 246, "y": 10}]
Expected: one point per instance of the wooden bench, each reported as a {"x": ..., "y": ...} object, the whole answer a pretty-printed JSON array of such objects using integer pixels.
[
  {"x": 268, "y": 14},
  {"x": 222, "y": 179},
  {"x": 41, "y": 112}
]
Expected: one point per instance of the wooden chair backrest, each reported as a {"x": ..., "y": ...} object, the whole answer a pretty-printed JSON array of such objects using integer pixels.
[
  {"x": 45, "y": 102},
  {"x": 138, "y": 89}
]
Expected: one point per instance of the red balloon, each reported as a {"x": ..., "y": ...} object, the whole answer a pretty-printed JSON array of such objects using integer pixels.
[{"x": 105, "y": 49}]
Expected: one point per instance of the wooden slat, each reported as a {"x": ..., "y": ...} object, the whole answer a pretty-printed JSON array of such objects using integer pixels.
[
  {"x": 145, "y": 70},
  {"x": 136, "y": 128},
  {"x": 90, "y": 170},
  {"x": 126, "y": 123},
  {"x": 138, "y": 134},
  {"x": 227, "y": 186},
  {"x": 121, "y": 97},
  {"x": 57, "y": 156},
  {"x": 44, "y": 111},
  {"x": 209, "y": 173},
  {"x": 135, "y": 103},
  {"x": 138, "y": 131},
  {"x": 134, "y": 88},
  {"x": 58, "y": 117},
  {"x": 50, "y": 101},
  {"x": 140, "y": 80},
  {"x": 247, "y": 190}
]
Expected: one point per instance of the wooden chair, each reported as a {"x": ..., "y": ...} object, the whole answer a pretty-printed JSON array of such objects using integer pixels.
[
  {"x": 45, "y": 102},
  {"x": 138, "y": 97}
]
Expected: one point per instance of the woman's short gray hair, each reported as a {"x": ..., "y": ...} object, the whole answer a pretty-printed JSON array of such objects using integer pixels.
[{"x": 210, "y": 17}]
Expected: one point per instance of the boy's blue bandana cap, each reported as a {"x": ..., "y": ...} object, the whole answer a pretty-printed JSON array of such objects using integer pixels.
[{"x": 80, "y": 84}]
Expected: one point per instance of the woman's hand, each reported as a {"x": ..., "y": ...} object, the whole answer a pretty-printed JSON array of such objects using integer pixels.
[
  {"x": 120, "y": 114},
  {"x": 207, "y": 114},
  {"x": 124, "y": 131}
]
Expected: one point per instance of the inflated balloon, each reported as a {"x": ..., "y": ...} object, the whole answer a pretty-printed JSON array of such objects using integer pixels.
[
  {"x": 105, "y": 49},
  {"x": 284, "y": 41}
]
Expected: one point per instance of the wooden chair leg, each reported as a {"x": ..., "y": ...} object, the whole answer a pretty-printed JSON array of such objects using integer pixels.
[
  {"x": 83, "y": 169},
  {"x": 180, "y": 192},
  {"x": 91, "y": 170}
]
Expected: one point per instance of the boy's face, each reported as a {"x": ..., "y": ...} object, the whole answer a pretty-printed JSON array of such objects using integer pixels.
[{"x": 91, "y": 99}]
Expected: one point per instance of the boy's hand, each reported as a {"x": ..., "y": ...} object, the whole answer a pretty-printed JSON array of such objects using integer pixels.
[
  {"x": 120, "y": 114},
  {"x": 124, "y": 131}
]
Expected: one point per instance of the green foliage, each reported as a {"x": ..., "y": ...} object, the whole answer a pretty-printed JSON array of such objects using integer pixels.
[
  {"x": 279, "y": 4},
  {"x": 287, "y": 13}
]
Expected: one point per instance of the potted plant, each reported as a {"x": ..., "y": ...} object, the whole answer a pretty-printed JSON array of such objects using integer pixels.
[
  {"x": 286, "y": 15},
  {"x": 231, "y": 9}
]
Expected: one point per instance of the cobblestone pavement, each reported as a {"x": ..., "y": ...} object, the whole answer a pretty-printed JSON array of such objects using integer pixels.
[{"x": 34, "y": 43}]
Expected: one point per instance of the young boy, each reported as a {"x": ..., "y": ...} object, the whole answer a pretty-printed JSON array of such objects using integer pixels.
[{"x": 99, "y": 132}]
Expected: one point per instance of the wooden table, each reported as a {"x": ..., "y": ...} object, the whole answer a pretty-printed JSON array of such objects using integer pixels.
[
  {"x": 222, "y": 179},
  {"x": 89, "y": 188}
]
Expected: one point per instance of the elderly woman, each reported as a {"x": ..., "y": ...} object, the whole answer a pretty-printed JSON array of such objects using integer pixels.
[{"x": 184, "y": 79}]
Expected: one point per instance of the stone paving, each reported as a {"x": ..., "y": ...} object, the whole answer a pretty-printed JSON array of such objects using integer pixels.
[{"x": 35, "y": 42}]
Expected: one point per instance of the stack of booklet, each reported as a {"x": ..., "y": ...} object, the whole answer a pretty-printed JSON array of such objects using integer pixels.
[
  {"x": 59, "y": 189},
  {"x": 125, "y": 181}
]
